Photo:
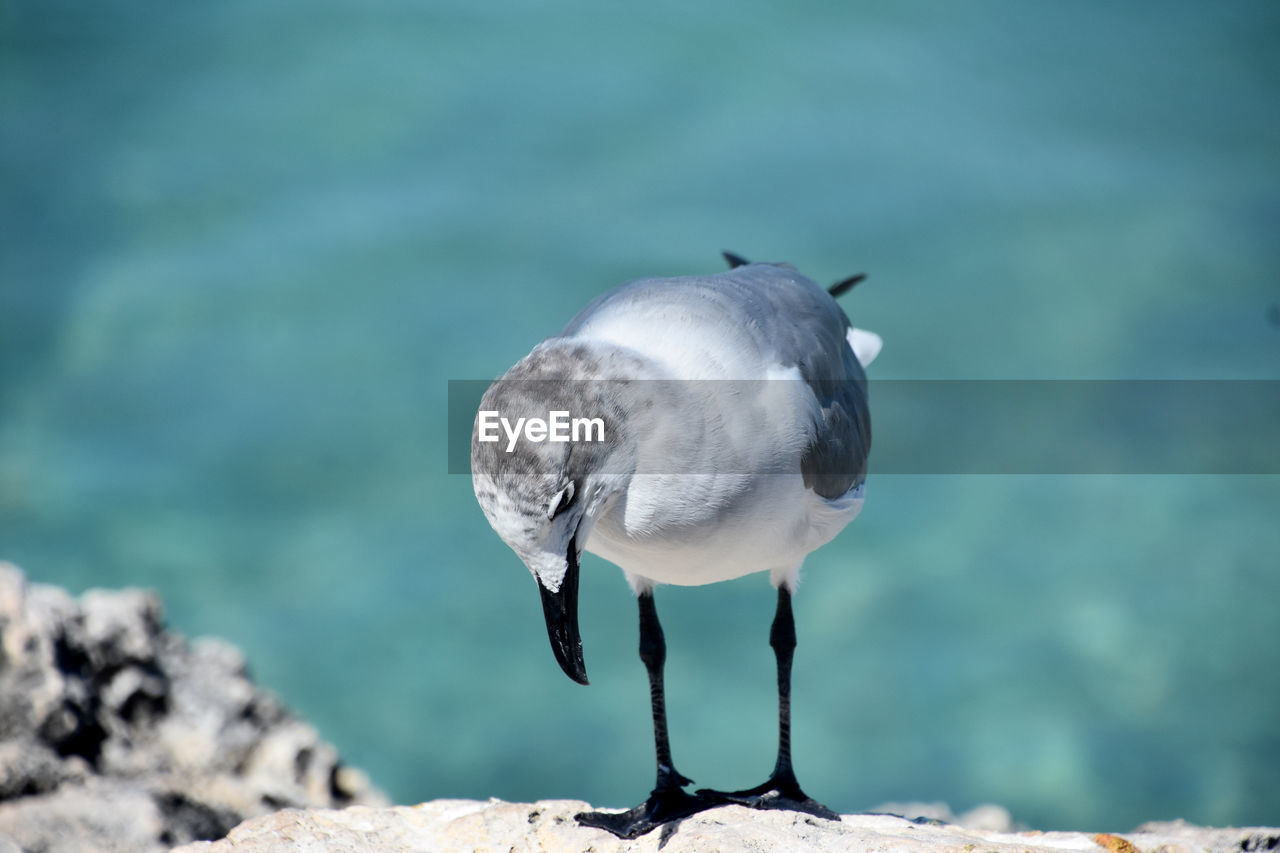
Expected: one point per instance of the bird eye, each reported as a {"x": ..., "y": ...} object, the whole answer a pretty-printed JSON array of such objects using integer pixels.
[{"x": 562, "y": 501}]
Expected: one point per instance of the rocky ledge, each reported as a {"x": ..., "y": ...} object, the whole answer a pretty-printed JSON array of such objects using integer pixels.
[
  {"x": 549, "y": 825},
  {"x": 118, "y": 735}
]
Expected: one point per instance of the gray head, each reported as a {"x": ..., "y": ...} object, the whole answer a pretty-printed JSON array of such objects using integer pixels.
[{"x": 541, "y": 494}]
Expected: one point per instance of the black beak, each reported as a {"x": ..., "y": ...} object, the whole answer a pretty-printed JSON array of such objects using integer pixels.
[{"x": 561, "y": 610}]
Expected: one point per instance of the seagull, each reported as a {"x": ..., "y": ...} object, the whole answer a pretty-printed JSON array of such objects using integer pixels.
[{"x": 734, "y": 438}]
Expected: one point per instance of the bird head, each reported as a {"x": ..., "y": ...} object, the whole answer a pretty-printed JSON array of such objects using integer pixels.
[
  {"x": 540, "y": 517},
  {"x": 542, "y": 497}
]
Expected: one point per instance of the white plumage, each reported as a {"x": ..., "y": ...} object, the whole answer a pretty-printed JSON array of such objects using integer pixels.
[
  {"x": 711, "y": 486},
  {"x": 736, "y": 439}
]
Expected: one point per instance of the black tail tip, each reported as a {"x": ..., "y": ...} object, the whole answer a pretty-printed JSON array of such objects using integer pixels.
[
  {"x": 838, "y": 289},
  {"x": 845, "y": 285}
]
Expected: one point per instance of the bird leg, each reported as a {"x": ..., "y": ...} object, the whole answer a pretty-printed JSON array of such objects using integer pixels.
[
  {"x": 667, "y": 801},
  {"x": 780, "y": 790}
]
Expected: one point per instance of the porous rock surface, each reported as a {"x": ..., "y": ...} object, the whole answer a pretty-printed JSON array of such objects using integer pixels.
[
  {"x": 118, "y": 735},
  {"x": 549, "y": 825}
]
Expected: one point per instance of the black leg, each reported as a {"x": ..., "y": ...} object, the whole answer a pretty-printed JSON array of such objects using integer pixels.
[
  {"x": 667, "y": 801},
  {"x": 780, "y": 790}
]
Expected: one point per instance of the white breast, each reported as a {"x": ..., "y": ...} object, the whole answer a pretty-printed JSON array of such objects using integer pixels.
[{"x": 770, "y": 523}]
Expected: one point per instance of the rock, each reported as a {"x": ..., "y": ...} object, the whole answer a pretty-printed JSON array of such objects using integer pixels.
[
  {"x": 91, "y": 817},
  {"x": 549, "y": 825},
  {"x": 116, "y": 734},
  {"x": 989, "y": 817}
]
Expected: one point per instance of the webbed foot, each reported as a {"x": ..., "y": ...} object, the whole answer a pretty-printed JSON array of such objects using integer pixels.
[
  {"x": 776, "y": 793},
  {"x": 663, "y": 806}
]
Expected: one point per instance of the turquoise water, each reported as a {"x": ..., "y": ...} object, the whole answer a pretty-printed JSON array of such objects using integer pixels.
[{"x": 245, "y": 247}]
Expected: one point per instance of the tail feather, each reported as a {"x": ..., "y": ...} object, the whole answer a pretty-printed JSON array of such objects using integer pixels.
[
  {"x": 845, "y": 285},
  {"x": 838, "y": 289},
  {"x": 865, "y": 345}
]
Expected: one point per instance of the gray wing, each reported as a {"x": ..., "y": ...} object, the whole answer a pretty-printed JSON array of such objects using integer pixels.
[
  {"x": 836, "y": 461},
  {"x": 792, "y": 320}
]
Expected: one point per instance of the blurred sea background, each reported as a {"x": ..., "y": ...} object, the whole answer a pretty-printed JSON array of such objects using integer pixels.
[{"x": 245, "y": 246}]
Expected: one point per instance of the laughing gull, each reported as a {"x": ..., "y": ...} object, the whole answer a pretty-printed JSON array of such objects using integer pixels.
[{"x": 733, "y": 434}]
